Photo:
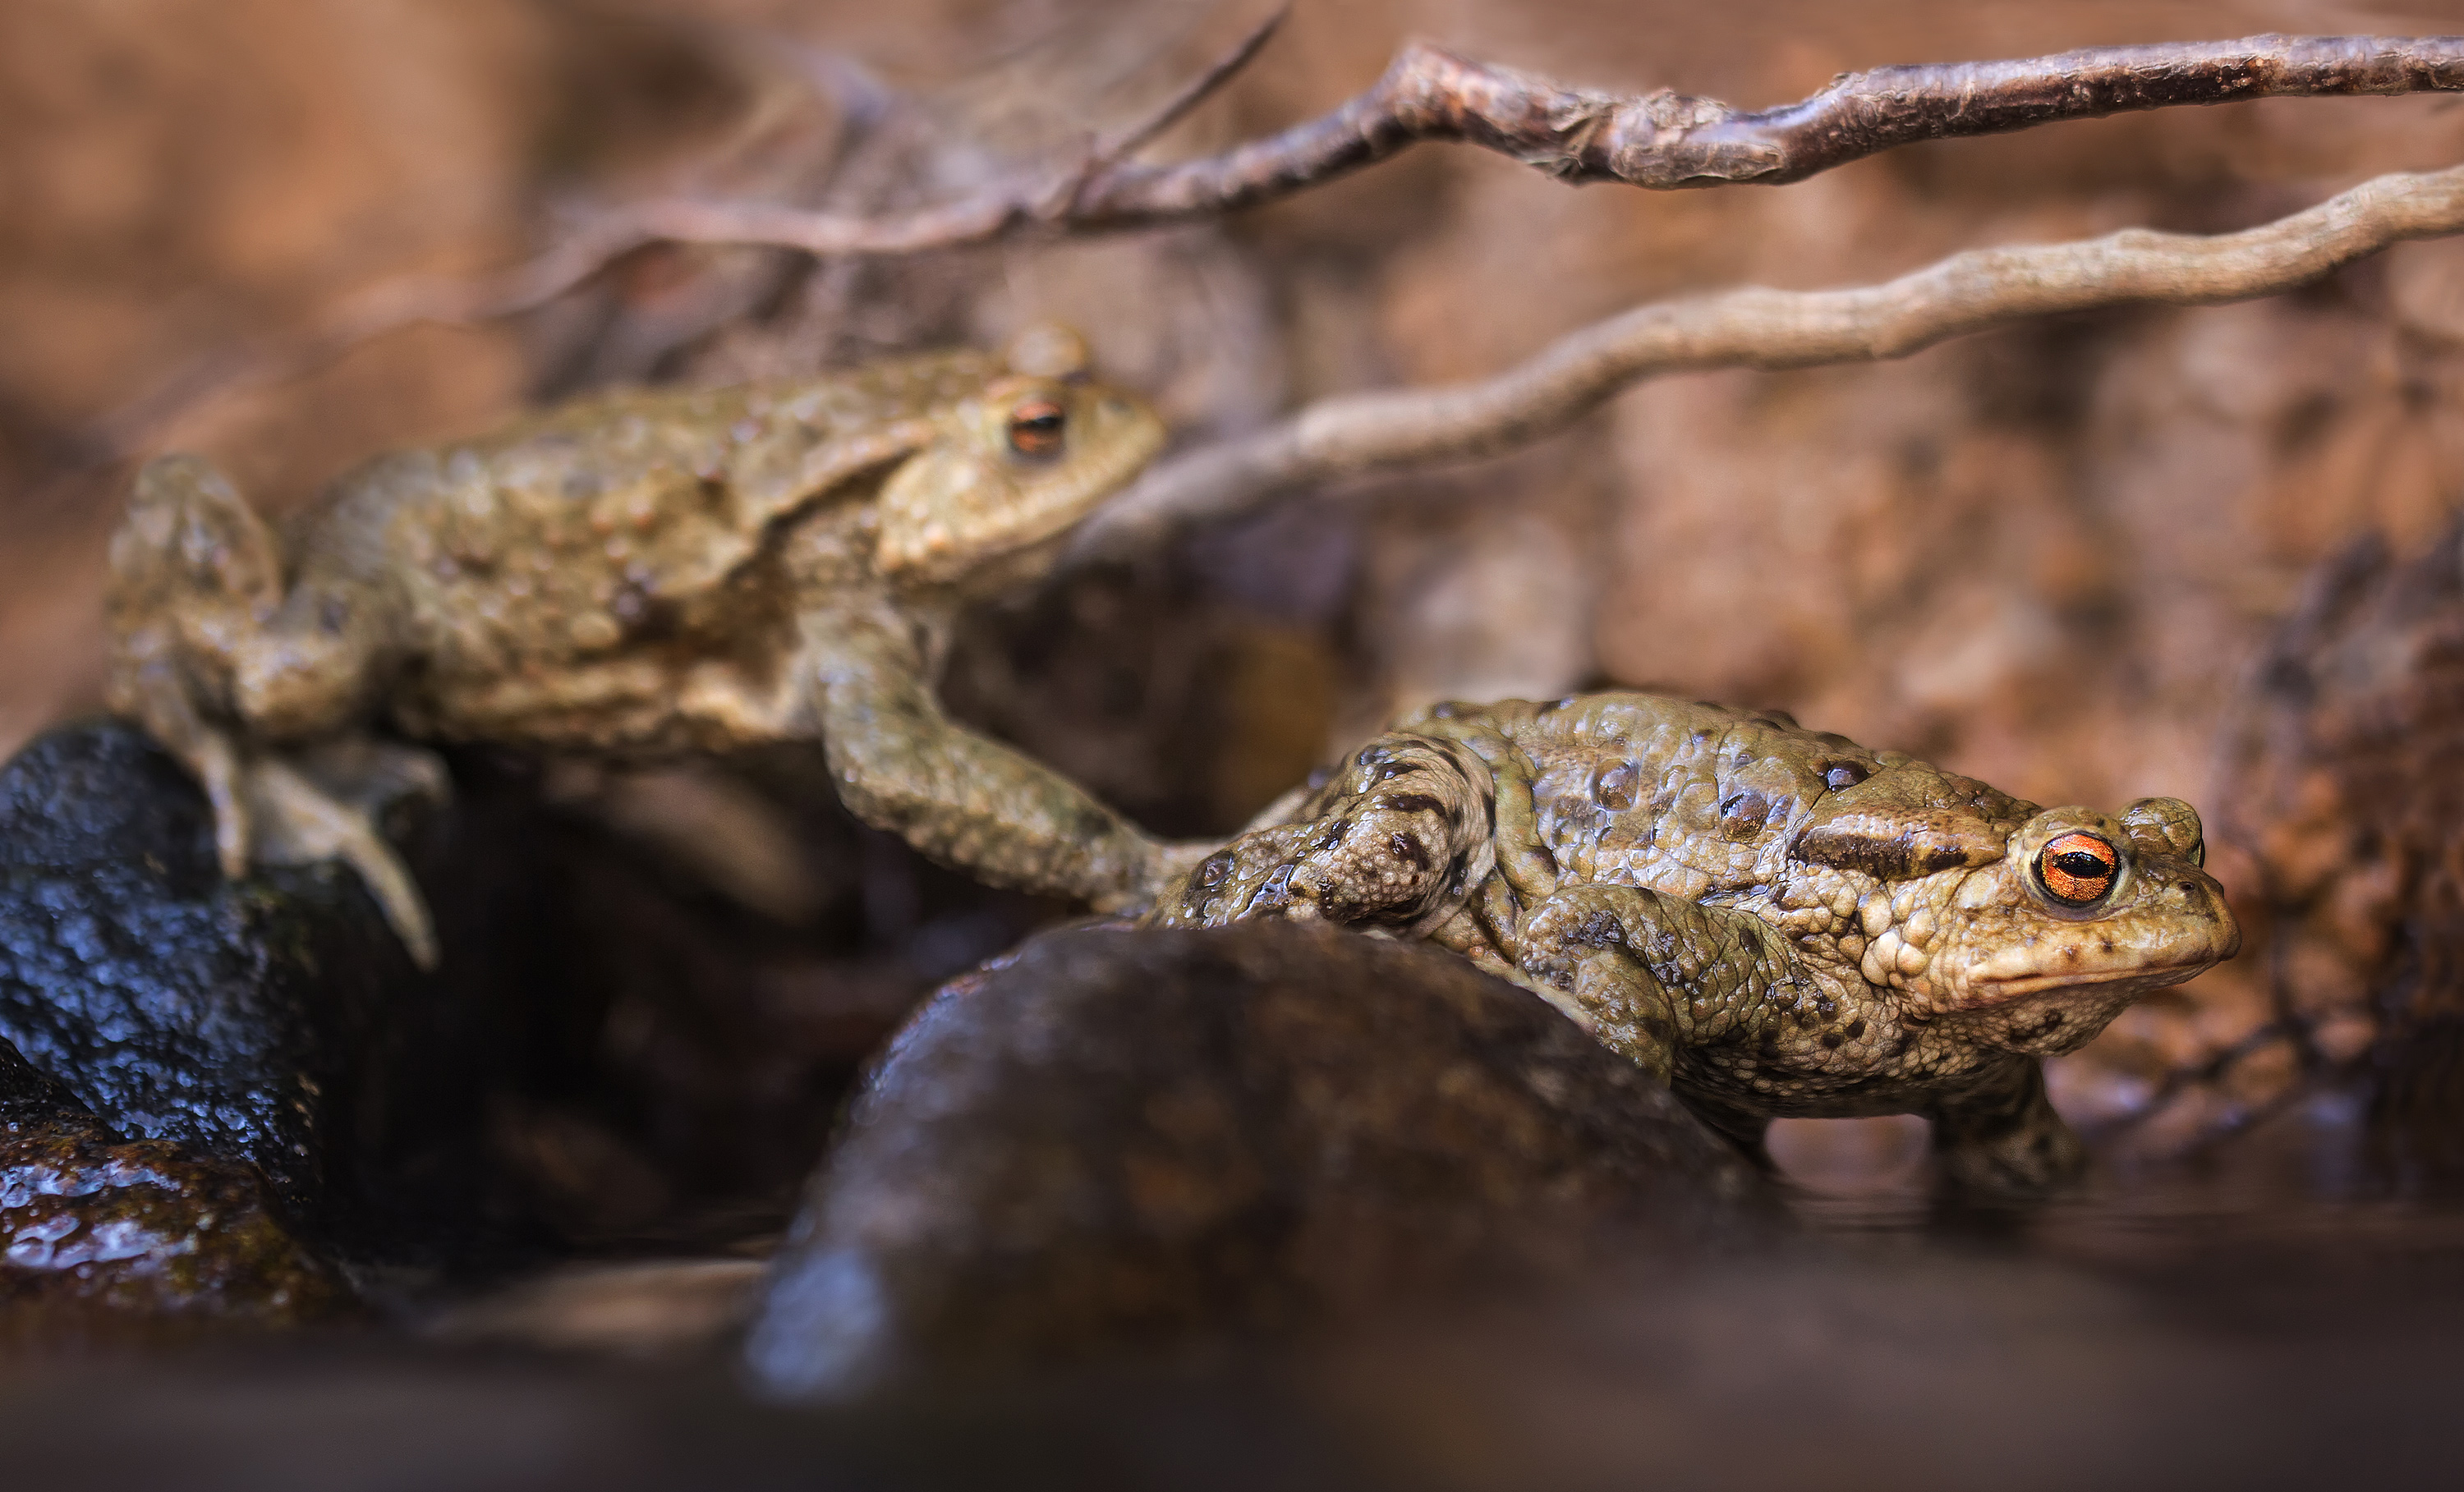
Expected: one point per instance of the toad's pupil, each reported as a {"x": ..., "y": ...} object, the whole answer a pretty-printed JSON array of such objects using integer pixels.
[
  {"x": 1841, "y": 775},
  {"x": 1035, "y": 429}
]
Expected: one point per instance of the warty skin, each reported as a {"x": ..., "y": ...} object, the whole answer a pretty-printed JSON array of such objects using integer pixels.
[
  {"x": 1780, "y": 922},
  {"x": 637, "y": 575}
]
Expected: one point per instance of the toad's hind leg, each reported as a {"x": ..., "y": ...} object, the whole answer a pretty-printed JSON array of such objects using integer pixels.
[
  {"x": 191, "y": 548},
  {"x": 1396, "y": 843},
  {"x": 156, "y": 697},
  {"x": 192, "y": 569}
]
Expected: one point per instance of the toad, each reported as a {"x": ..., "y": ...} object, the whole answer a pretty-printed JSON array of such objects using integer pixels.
[
  {"x": 1778, "y": 922},
  {"x": 637, "y": 575}
]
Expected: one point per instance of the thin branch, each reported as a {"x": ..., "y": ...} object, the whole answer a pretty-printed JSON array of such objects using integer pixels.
[
  {"x": 1757, "y": 328},
  {"x": 1198, "y": 90},
  {"x": 133, "y": 429},
  {"x": 1665, "y": 140},
  {"x": 1655, "y": 139},
  {"x": 2182, "y": 1079},
  {"x": 600, "y": 241},
  {"x": 1660, "y": 140}
]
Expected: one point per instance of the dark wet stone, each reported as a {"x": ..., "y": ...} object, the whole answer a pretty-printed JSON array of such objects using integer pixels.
[
  {"x": 273, "y": 1021},
  {"x": 1141, "y": 1139},
  {"x": 90, "y": 1224},
  {"x": 610, "y": 1053},
  {"x": 29, "y": 1096},
  {"x": 143, "y": 1227}
]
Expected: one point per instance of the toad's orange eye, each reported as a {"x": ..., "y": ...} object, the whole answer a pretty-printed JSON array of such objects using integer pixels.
[
  {"x": 2076, "y": 868},
  {"x": 1035, "y": 428}
]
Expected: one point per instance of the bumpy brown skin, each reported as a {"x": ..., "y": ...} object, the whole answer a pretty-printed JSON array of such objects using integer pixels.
[
  {"x": 1779, "y": 922},
  {"x": 641, "y": 574}
]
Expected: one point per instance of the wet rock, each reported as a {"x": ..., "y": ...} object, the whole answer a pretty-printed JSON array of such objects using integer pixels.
[
  {"x": 33, "y": 1098},
  {"x": 92, "y": 1224},
  {"x": 1148, "y": 1139},
  {"x": 273, "y": 1021},
  {"x": 613, "y": 1051}
]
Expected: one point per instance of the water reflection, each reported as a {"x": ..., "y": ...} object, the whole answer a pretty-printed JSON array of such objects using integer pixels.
[{"x": 2265, "y": 1315}]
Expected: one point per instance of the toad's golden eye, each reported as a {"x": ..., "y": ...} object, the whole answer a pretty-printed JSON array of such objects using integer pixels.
[
  {"x": 2076, "y": 868},
  {"x": 1035, "y": 428}
]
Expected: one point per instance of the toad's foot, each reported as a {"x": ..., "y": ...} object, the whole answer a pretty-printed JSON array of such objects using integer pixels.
[
  {"x": 323, "y": 805},
  {"x": 1175, "y": 859}
]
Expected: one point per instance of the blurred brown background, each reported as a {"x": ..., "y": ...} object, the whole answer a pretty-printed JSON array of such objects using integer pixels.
[{"x": 2052, "y": 557}]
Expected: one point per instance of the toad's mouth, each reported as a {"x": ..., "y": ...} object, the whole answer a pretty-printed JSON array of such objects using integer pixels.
[{"x": 2154, "y": 976}]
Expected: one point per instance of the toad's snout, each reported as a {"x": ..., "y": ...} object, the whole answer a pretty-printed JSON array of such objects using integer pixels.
[{"x": 2190, "y": 901}]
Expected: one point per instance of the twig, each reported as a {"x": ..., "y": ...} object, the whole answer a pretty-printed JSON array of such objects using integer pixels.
[
  {"x": 600, "y": 241},
  {"x": 1196, "y": 91},
  {"x": 1759, "y": 328},
  {"x": 1657, "y": 140},
  {"x": 1660, "y": 140},
  {"x": 134, "y": 427},
  {"x": 2199, "y": 1074}
]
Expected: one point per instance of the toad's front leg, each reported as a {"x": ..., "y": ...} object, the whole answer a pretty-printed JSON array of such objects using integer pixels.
[
  {"x": 2000, "y": 1134},
  {"x": 900, "y": 765},
  {"x": 1649, "y": 973}
]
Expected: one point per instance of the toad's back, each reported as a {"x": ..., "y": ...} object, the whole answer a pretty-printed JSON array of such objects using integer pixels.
[
  {"x": 607, "y": 519},
  {"x": 1706, "y": 802}
]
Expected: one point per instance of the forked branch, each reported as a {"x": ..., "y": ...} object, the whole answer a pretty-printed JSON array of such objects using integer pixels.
[
  {"x": 1655, "y": 139},
  {"x": 1756, "y": 328},
  {"x": 1659, "y": 139},
  {"x": 1669, "y": 140}
]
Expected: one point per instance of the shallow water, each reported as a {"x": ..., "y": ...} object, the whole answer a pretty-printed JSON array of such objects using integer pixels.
[
  {"x": 2264, "y": 1321},
  {"x": 2236, "y": 1326}
]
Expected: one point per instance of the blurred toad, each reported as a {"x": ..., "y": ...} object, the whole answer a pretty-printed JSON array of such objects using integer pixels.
[
  {"x": 1779, "y": 922},
  {"x": 640, "y": 573}
]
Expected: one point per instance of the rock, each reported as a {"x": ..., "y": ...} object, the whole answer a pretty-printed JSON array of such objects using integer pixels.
[
  {"x": 91, "y": 1225},
  {"x": 30, "y": 1097},
  {"x": 611, "y": 1052},
  {"x": 2340, "y": 787},
  {"x": 1142, "y": 1139},
  {"x": 273, "y": 1021},
  {"x": 637, "y": 1308}
]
